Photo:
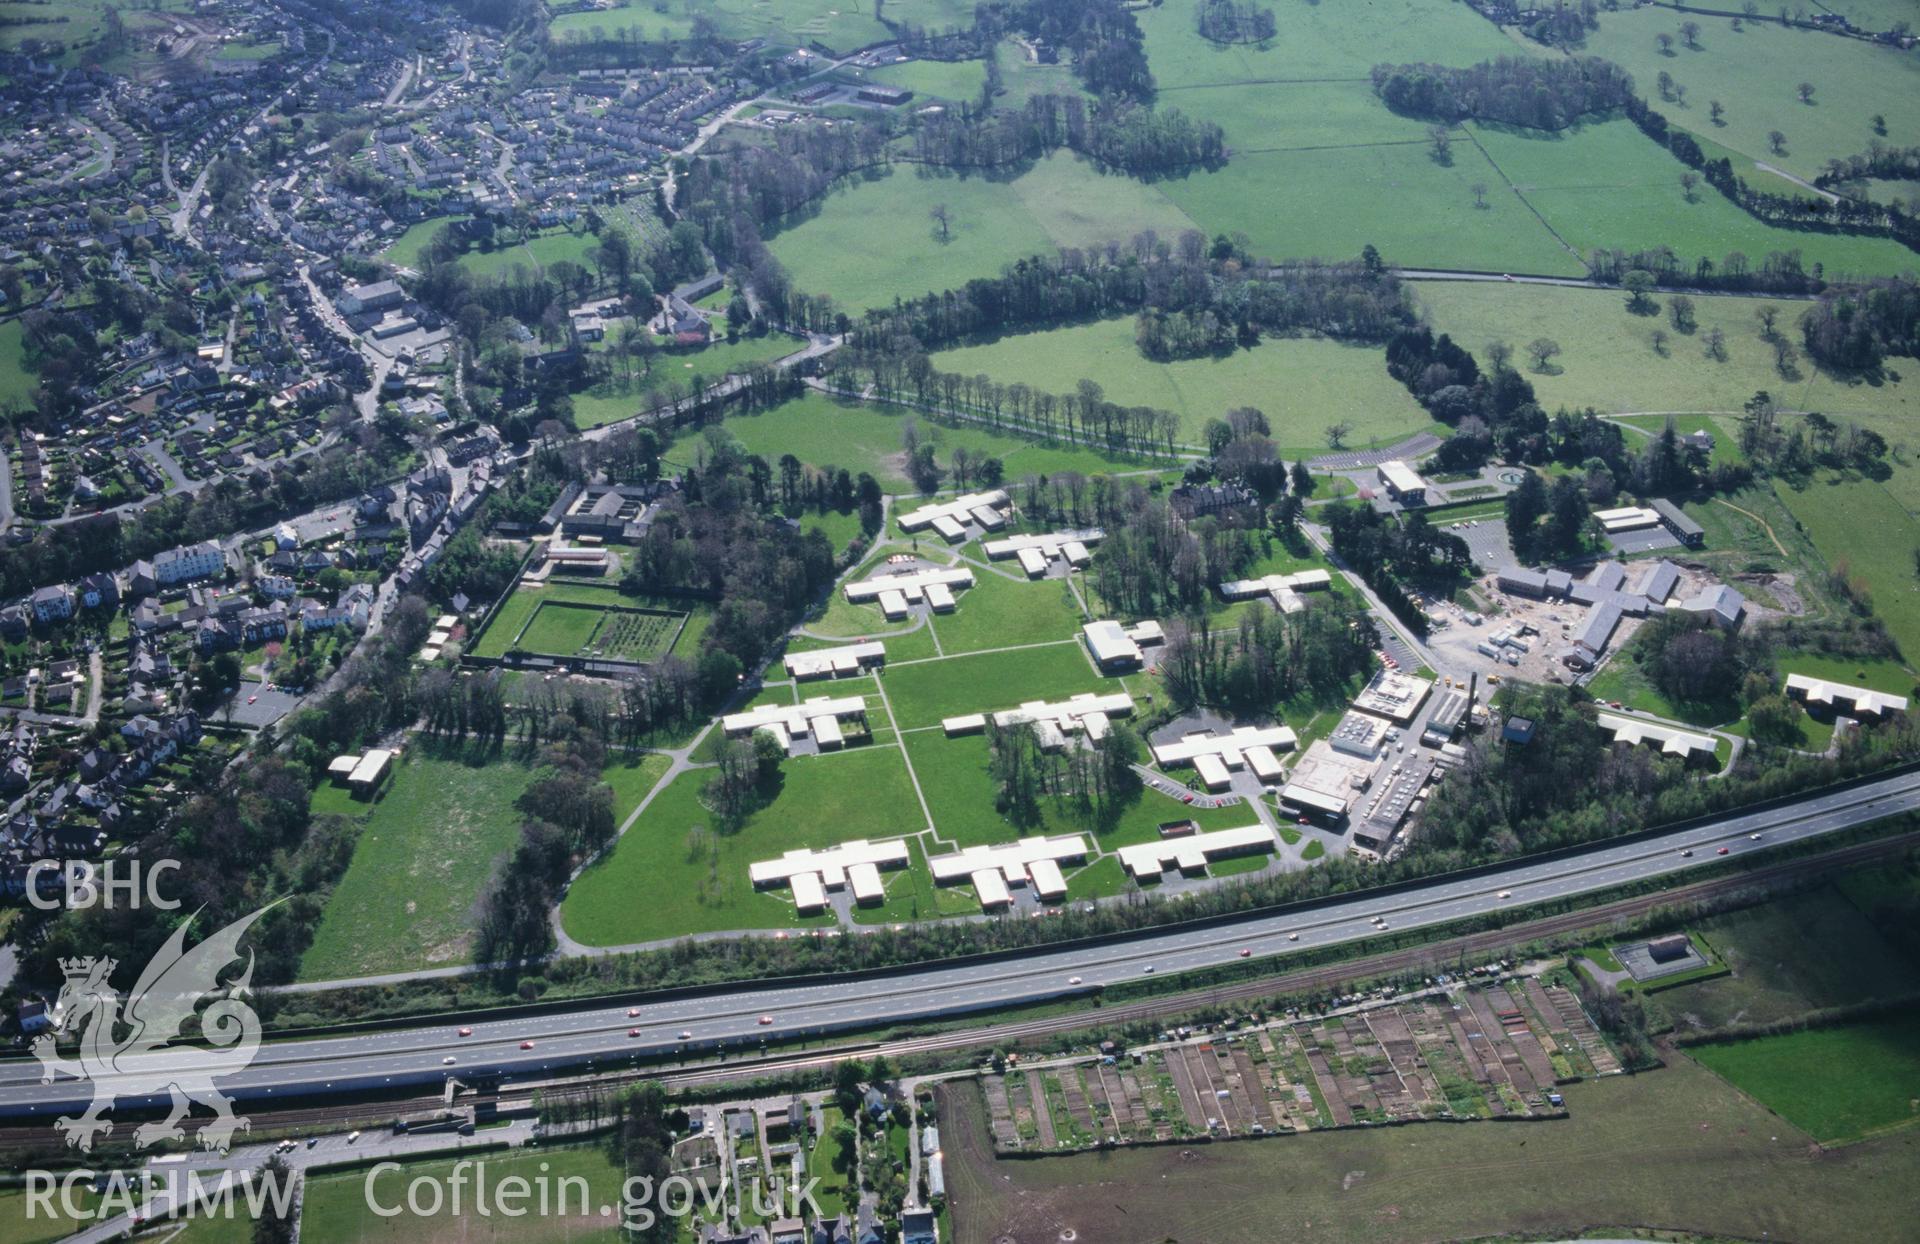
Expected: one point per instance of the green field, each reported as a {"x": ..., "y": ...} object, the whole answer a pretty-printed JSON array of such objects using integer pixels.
[
  {"x": 339, "y": 1208},
  {"x": 409, "y": 249},
  {"x": 997, "y": 612},
  {"x": 243, "y": 50},
  {"x": 1321, "y": 42},
  {"x": 1755, "y": 74},
  {"x": 659, "y": 883},
  {"x": 925, "y": 693},
  {"x": 72, "y": 22},
  {"x": 1303, "y": 384},
  {"x": 17, "y": 384},
  {"x": 1608, "y": 185},
  {"x": 619, "y": 399},
  {"x": 871, "y": 240},
  {"x": 563, "y": 628},
  {"x": 858, "y": 436},
  {"x": 842, "y": 25},
  {"x": 1331, "y": 202},
  {"x": 950, "y": 80},
  {"x": 424, "y": 855},
  {"x": 522, "y": 608},
  {"x": 1608, "y": 360},
  {"x": 1864, "y": 524},
  {"x": 1837, "y": 1084},
  {"x": 534, "y": 254},
  {"x": 651, "y": 23},
  {"x": 1674, "y": 1147}
]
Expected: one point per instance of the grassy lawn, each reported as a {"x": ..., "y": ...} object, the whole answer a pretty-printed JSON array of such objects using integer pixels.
[
  {"x": 858, "y": 436},
  {"x": 535, "y": 253},
  {"x": 1606, "y": 184},
  {"x": 1303, "y": 384},
  {"x": 871, "y": 239},
  {"x": 1332, "y": 202},
  {"x": 1609, "y": 361},
  {"x": 17, "y": 1228},
  {"x": 662, "y": 882},
  {"x": 425, "y": 853},
  {"x": 1675, "y": 1147},
  {"x": 1782, "y": 963},
  {"x": 1754, "y": 72},
  {"x": 832, "y": 1192},
  {"x": 620, "y": 399},
  {"x": 926, "y": 692},
  {"x": 999, "y": 613},
  {"x": 563, "y": 628},
  {"x": 521, "y": 618},
  {"x": 1863, "y": 524},
  {"x": 648, "y": 24},
  {"x": 953, "y": 775},
  {"x": 951, "y": 80},
  {"x": 17, "y": 384},
  {"x": 337, "y": 1208},
  {"x": 1837, "y": 1084},
  {"x": 409, "y": 249},
  {"x": 631, "y": 779}
]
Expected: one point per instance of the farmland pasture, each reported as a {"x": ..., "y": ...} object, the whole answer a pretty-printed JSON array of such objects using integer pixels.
[
  {"x": 1609, "y": 362},
  {"x": 1839, "y": 1084},
  {"x": 951, "y": 80},
  {"x": 1303, "y": 384},
  {"x": 823, "y": 431},
  {"x": 1605, "y": 184},
  {"x": 1755, "y": 73},
  {"x": 871, "y": 238},
  {"x": 1332, "y": 202}
]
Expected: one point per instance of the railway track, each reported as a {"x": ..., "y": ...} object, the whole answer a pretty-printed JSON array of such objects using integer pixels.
[{"x": 333, "y": 1116}]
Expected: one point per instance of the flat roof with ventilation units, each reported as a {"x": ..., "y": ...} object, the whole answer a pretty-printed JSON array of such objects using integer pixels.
[
  {"x": 1669, "y": 741},
  {"x": 984, "y": 508},
  {"x": 1858, "y": 701},
  {"x": 1191, "y": 854},
  {"x": 811, "y": 874},
  {"x": 898, "y": 591},
  {"x": 992, "y": 870},
  {"x": 1392, "y": 695},
  {"x": 836, "y": 662},
  {"x": 1358, "y": 735}
]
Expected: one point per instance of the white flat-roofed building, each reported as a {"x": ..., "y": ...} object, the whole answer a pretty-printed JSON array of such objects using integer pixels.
[
  {"x": 341, "y": 767},
  {"x": 837, "y": 662},
  {"x": 1670, "y": 741},
  {"x": 370, "y": 769},
  {"x": 1215, "y": 756},
  {"x": 985, "y": 508},
  {"x": 1035, "y": 552},
  {"x": 966, "y": 723},
  {"x": 1192, "y": 853},
  {"x": 1054, "y": 721},
  {"x": 1402, "y": 482},
  {"x": 1358, "y": 735},
  {"x": 1395, "y": 696},
  {"x": 818, "y": 718},
  {"x": 1112, "y": 648},
  {"x": 1627, "y": 518},
  {"x": 1317, "y": 802},
  {"x": 897, "y": 592},
  {"x": 992, "y": 871},
  {"x": 1283, "y": 589},
  {"x": 1861, "y": 702},
  {"x": 811, "y": 874}
]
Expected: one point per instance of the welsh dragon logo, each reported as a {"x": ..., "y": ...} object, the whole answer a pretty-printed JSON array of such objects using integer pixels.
[{"x": 127, "y": 1054}]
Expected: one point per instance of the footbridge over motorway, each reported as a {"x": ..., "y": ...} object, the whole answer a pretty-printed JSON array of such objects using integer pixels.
[{"x": 742, "y": 1017}]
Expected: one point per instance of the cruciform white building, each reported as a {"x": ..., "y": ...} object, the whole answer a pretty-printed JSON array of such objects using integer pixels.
[
  {"x": 896, "y": 592},
  {"x": 819, "y": 717},
  {"x": 1191, "y": 854},
  {"x": 810, "y": 874},
  {"x": 1283, "y": 589},
  {"x": 1052, "y": 722},
  {"x": 950, "y": 518},
  {"x": 993, "y": 870},
  {"x": 1035, "y": 552},
  {"x": 833, "y": 662},
  {"x": 1214, "y": 756}
]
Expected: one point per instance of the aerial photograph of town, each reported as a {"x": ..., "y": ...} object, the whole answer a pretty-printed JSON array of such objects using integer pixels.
[{"x": 959, "y": 621}]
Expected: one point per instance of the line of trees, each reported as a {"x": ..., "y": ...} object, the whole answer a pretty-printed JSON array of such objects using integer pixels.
[
  {"x": 1233, "y": 21},
  {"x": 1114, "y": 134},
  {"x": 1269, "y": 658},
  {"x": 1537, "y": 93},
  {"x": 1390, "y": 555}
]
